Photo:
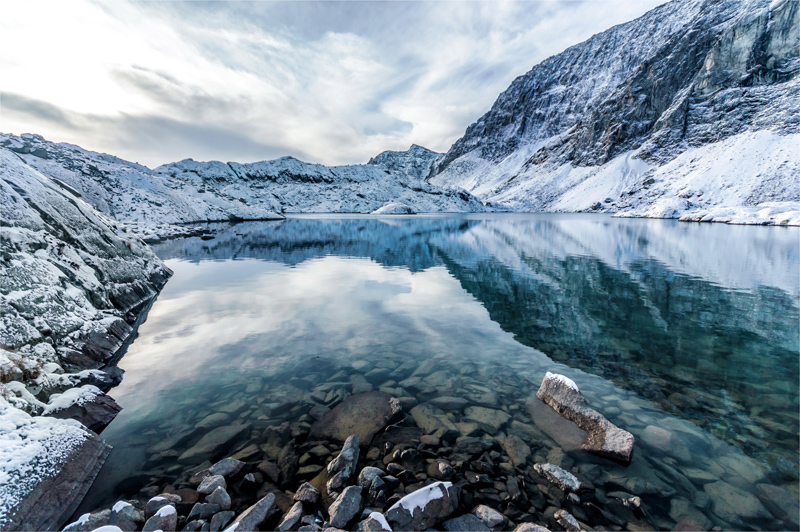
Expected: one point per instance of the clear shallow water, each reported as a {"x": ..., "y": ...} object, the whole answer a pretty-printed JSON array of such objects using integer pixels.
[{"x": 691, "y": 328}]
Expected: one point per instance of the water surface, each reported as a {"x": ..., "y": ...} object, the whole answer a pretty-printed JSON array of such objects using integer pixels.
[{"x": 688, "y": 327}]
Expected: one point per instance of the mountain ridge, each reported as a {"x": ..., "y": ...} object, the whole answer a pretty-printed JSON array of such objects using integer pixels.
[{"x": 600, "y": 121}]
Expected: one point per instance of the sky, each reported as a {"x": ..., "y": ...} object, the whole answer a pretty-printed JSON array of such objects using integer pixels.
[{"x": 328, "y": 82}]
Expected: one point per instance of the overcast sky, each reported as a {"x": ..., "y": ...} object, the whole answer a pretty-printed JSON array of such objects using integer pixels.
[{"x": 329, "y": 82}]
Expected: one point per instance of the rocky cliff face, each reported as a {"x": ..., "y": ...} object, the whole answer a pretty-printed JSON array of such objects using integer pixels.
[
  {"x": 594, "y": 127},
  {"x": 72, "y": 285}
]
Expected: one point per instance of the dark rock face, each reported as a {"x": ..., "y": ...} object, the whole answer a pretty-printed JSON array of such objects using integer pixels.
[
  {"x": 362, "y": 415},
  {"x": 252, "y": 518},
  {"x": 53, "y": 500},
  {"x": 605, "y": 439},
  {"x": 95, "y": 415}
]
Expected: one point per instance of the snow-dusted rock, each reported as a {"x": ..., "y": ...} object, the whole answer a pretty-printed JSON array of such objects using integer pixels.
[
  {"x": 87, "y": 404},
  {"x": 698, "y": 114},
  {"x": 605, "y": 438},
  {"x": 46, "y": 467},
  {"x": 424, "y": 508}
]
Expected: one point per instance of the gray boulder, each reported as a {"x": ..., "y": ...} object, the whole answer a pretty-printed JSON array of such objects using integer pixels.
[
  {"x": 221, "y": 519},
  {"x": 375, "y": 522},
  {"x": 490, "y": 517},
  {"x": 562, "y": 479},
  {"x": 210, "y": 483},
  {"x": 605, "y": 439},
  {"x": 345, "y": 507},
  {"x": 567, "y": 521}
]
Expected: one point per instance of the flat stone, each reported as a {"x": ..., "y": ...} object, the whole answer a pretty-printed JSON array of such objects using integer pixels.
[
  {"x": 424, "y": 508},
  {"x": 362, "y": 415},
  {"x": 516, "y": 449},
  {"x": 664, "y": 441},
  {"x": 605, "y": 439},
  {"x": 251, "y": 519},
  {"x": 346, "y": 507},
  {"x": 732, "y": 504},
  {"x": 465, "y": 523},
  {"x": 488, "y": 419},
  {"x": 213, "y": 442}
]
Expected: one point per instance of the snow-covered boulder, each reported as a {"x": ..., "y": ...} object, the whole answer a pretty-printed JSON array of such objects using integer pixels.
[
  {"x": 46, "y": 467},
  {"x": 424, "y": 508},
  {"x": 394, "y": 208}
]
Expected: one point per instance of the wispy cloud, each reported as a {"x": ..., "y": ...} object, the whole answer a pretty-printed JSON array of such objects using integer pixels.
[{"x": 331, "y": 82}]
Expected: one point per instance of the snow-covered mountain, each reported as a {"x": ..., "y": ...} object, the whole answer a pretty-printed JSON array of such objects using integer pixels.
[
  {"x": 692, "y": 110},
  {"x": 189, "y": 191}
]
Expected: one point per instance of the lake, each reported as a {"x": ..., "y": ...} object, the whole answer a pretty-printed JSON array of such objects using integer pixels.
[{"x": 684, "y": 334}]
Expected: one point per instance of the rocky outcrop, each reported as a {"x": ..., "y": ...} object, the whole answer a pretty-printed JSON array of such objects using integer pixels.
[
  {"x": 47, "y": 466},
  {"x": 605, "y": 439}
]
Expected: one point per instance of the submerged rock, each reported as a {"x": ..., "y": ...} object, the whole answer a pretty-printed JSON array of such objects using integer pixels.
[
  {"x": 732, "y": 504},
  {"x": 465, "y": 523},
  {"x": 362, "y": 415},
  {"x": 562, "y": 479},
  {"x": 213, "y": 442},
  {"x": 605, "y": 439}
]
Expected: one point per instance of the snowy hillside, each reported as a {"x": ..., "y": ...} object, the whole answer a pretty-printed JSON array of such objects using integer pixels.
[
  {"x": 690, "y": 111},
  {"x": 188, "y": 191}
]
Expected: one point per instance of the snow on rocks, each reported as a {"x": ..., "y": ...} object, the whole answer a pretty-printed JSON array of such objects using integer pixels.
[
  {"x": 46, "y": 467},
  {"x": 605, "y": 439},
  {"x": 424, "y": 508},
  {"x": 395, "y": 208}
]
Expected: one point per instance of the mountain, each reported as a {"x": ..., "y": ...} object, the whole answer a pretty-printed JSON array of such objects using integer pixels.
[
  {"x": 688, "y": 111},
  {"x": 152, "y": 201}
]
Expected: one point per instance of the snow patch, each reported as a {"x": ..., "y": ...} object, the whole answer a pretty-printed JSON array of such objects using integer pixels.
[
  {"x": 379, "y": 517},
  {"x": 421, "y": 497},
  {"x": 562, "y": 379}
]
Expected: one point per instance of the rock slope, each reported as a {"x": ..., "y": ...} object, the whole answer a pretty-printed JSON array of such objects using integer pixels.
[
  {"x": 689, "y": 111},
  {"x": 72, "y": 285}
]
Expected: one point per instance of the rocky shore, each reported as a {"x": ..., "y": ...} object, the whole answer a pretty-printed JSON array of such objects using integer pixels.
[
  {"x": 408, "y": 466},
  {"x": 394, "y": 471}
]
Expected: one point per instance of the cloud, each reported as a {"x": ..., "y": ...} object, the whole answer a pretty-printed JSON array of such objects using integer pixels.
[{"x": 331, "y": 82}]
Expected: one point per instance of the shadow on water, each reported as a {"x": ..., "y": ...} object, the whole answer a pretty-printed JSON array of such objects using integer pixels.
[{"x": 688, "y": 327}]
